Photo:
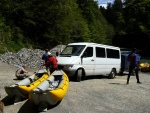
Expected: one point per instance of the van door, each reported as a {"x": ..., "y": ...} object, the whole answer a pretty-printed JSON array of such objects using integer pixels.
[
  {"x": 100, "y": 61},
  {"x": 113, "y": 60},
  {"x": 88, "y": 61}
]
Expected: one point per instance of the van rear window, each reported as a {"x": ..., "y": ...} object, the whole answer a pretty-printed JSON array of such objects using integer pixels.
[{"x": 111, "y": 53}]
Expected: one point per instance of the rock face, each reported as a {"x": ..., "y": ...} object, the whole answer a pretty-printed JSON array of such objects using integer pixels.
[{"x": 28, "y": 56}]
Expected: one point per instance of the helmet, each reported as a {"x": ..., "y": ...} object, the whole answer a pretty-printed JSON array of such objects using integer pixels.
[{"x": 48, "y": 53}]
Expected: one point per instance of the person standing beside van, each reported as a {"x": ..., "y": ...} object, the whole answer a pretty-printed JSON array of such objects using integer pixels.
[
  {"x": 45, "y": 57},
  {"x": 134, "y": 61},
  {"x": 51, "y": 63}
]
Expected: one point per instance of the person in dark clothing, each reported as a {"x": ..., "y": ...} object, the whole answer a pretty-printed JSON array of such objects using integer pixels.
[
  {"x": 45, "y": 58},
  {"x": 134, "y": 60},
  {"x": 51, "y": 62}
]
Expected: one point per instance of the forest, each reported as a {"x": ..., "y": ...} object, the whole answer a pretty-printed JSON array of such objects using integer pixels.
[{"x": 47, "y": 23}]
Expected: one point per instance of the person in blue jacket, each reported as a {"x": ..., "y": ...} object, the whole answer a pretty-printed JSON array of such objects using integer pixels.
[
  {"x": 45, "y": 57},
  {"x": 134, "y": 61}
]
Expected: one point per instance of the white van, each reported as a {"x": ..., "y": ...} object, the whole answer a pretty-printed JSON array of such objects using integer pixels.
[{"x": 83, "y": 59}]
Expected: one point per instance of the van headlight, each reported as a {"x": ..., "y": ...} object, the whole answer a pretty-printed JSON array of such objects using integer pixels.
[{"x": 68, "y": 66}]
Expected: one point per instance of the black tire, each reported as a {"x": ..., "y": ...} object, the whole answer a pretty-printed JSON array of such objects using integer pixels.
[
  {"x": 79, "y": 75},
  {"x": 112, "y": 74}
]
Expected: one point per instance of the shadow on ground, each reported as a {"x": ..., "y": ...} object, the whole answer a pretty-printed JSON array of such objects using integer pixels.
[
  {"x": 30, "y": 107},
  {"x": 27, "y": 107},
  {"x": 10, "y": 100},
  {"x": 90, "y": 77},
  {"x": 96, "y": 77},
  {"x": 118, "y": 83}
]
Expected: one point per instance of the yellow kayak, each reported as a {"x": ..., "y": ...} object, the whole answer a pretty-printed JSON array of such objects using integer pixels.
[
  {"x": 27, "y": 88},
  {"x": 22, "y": 88},
  {"x": 52, "y": 90}
]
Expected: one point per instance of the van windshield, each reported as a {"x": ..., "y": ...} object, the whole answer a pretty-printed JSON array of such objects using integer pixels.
[{"x": 72, "y": 50}]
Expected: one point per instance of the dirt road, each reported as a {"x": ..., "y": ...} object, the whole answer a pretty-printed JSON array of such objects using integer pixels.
[{"x": 94, "y": 95}]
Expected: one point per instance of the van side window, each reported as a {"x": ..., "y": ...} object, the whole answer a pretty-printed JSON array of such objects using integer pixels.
[
  {"x": 89, "y": 52},
  {"x": 111, "y": 53},
  {"x": 100, "y": 52}
]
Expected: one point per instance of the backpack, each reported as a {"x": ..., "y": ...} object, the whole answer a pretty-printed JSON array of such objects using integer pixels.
[{"x": 132, "y": 58}]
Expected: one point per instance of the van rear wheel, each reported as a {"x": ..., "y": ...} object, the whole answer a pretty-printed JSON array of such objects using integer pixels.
[{"x": 112, "y": 74}]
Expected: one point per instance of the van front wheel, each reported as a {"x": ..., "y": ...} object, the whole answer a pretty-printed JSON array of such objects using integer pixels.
[
  {"x": 112, "y": 74},
  {"x": 78, "y": 75}
]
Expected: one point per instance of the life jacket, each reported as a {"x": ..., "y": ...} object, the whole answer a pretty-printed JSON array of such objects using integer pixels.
[{"x": 52, "y": 61}]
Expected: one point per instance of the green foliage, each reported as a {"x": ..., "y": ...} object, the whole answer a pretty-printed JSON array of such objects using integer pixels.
[
  {"x": 12, "y": 46},
  {"x": 45, "y": 24},
  {"x": 138, "y": 22},
  {"x": 131, "y": 22},
  {"x": 98, "y": 26}
]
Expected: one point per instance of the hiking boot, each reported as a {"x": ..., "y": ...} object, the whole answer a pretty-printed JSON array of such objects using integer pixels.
[{"x": 139, "y": 82}]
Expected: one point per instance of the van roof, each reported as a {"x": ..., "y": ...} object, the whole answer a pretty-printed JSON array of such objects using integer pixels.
[{"x": 91, "y": 43}]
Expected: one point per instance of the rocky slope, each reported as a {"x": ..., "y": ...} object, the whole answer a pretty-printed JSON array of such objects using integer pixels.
[{"x": 27, "y": 56}]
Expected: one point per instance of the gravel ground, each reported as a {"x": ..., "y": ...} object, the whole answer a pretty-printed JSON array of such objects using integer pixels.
[{"x": 94, "y": 95}]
